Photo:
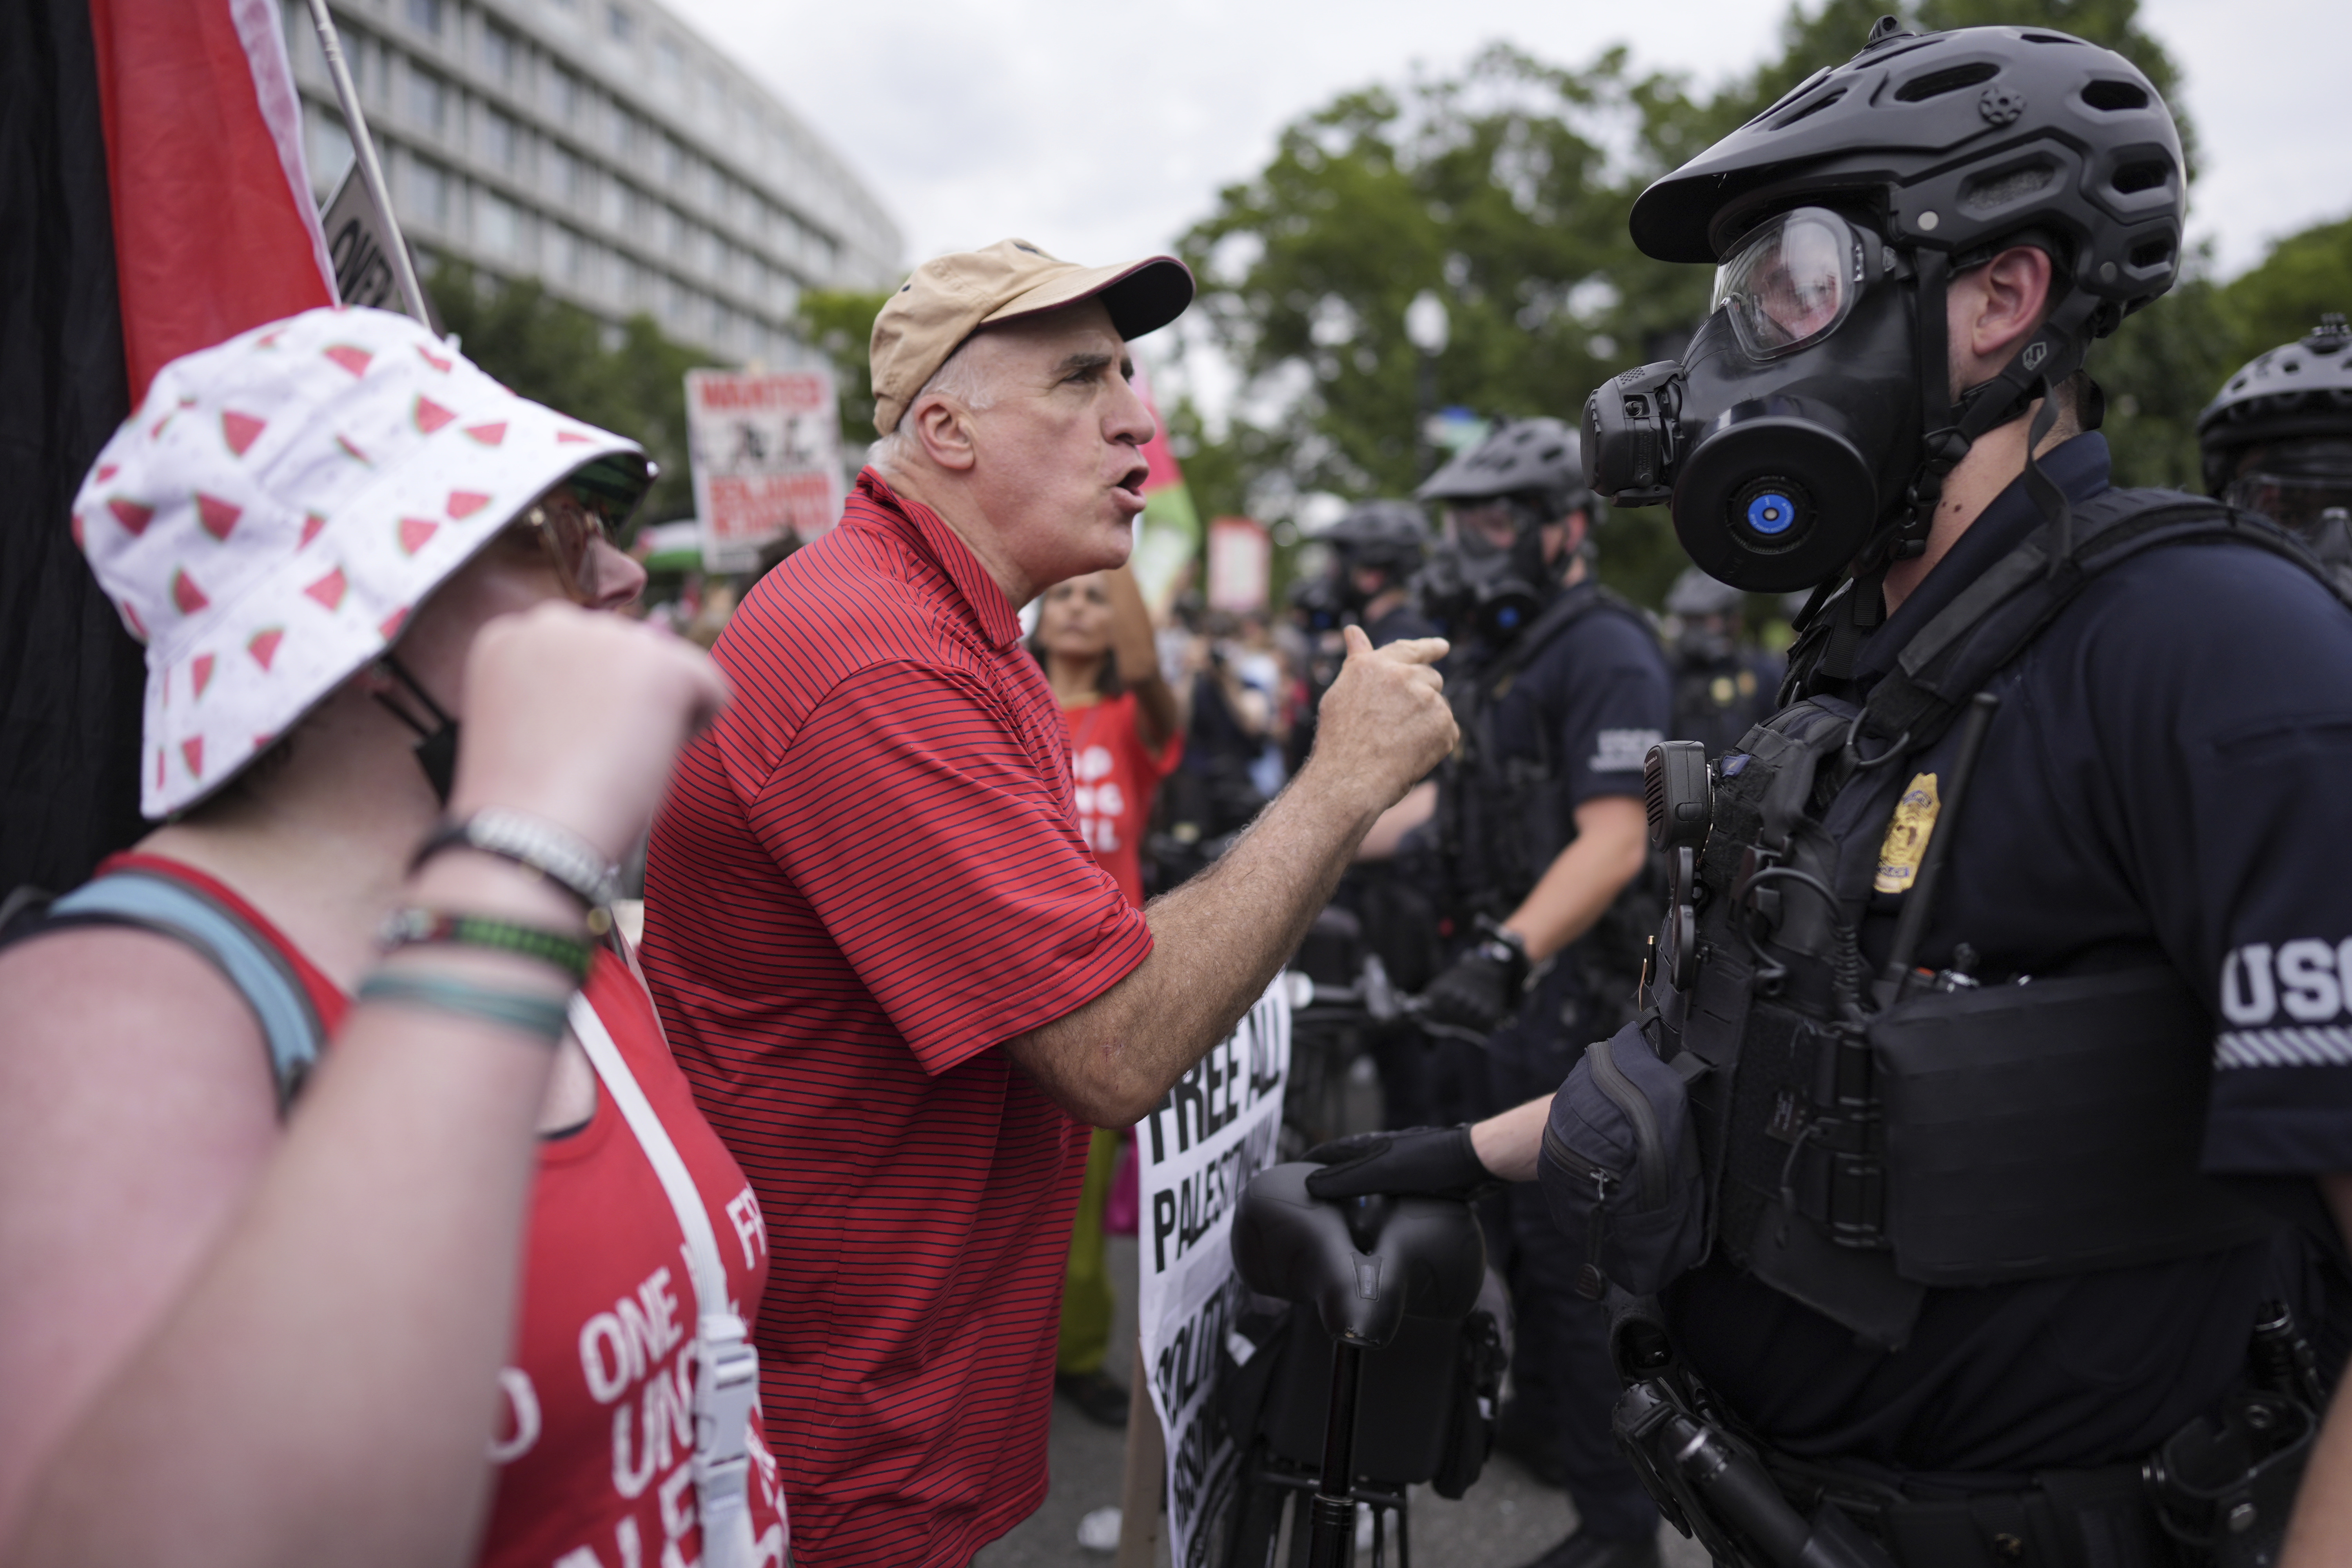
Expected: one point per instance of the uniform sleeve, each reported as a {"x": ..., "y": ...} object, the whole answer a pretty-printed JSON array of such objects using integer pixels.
[
  {"x": 943, "y": 863},
  {"x": 2234, "y": 746},
  {"x": 1615, "y": 704}
]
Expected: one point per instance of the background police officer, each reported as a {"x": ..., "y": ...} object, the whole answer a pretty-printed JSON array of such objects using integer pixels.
[
  {"x": 1907, "y": 283},
  {"x": 2277, "y": 440},
  {"x": 1724, "y": 681},
  {"x": 1562, "y": 689}
]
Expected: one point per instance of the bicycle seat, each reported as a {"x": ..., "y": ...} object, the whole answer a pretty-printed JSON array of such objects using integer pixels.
[{"x": 1363, "y": 1264}]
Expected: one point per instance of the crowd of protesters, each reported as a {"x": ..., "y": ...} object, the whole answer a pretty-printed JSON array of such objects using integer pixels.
[{"x": 363, "y": 1195}]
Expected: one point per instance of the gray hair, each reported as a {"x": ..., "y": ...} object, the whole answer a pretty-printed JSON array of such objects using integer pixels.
[{"x": 961, "y": 378}]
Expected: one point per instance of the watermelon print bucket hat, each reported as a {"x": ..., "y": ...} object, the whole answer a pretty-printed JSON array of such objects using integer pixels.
[{"x": 282, "y": 501}]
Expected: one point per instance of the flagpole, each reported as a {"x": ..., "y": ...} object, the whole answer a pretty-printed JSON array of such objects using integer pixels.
[{"x": 403, "y": 269}]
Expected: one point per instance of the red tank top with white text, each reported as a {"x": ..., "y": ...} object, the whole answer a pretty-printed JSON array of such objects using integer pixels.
[{"x": 594, "y": 1437}]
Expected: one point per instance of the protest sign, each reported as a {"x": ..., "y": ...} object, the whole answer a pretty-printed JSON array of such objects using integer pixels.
[
  {"x": 1195, "y": 1153},
  {"x": 359, "y": 244},
  {"x": 1241, "y": 564},
  {"x": 766, "y": 450}
]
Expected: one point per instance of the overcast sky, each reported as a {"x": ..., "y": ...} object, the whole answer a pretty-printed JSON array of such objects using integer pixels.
[{"x": 1102, "y": 130}]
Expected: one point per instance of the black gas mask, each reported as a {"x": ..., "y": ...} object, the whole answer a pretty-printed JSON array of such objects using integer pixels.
[
  {"x": 1791, "y": 424},
  {"x": 1474, "y": 585},
  {"x": 2304, "y": 486},
  {"x": 1321, "y": 603}
]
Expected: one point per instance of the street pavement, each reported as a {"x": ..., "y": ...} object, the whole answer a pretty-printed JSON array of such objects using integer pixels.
[{"x": 1502, "y": 1522}]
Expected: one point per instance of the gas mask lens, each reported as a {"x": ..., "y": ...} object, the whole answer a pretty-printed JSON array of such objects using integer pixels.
[{"x": 1791, "y": 282}]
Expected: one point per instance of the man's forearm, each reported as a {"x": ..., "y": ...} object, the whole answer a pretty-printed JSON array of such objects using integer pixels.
[{"x": 1216, "y": 943}]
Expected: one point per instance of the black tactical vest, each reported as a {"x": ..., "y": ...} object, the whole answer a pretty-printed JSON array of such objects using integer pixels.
[
  {"x": 1501, "y": 821},
  {"x": 1864, "y": 1136}
]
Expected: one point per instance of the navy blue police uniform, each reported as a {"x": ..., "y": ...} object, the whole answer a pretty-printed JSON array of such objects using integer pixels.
[
  {"x": 1588, "y": 705},
  {"x": 2162, "y": 784}
]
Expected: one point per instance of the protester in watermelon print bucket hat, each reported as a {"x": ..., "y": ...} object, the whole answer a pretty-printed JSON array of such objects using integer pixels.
[
  {"x": 368, "y": 1311},
  {"x": 280, "y": 504}
]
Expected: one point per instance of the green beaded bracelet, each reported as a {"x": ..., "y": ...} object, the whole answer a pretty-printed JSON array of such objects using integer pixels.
[
  {"x": 536, "y": 1015},
  {"x": 404, "y": 928}
]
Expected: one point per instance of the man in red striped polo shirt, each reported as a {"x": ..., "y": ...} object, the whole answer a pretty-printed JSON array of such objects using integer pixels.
[{"x": 899, "y": 981}]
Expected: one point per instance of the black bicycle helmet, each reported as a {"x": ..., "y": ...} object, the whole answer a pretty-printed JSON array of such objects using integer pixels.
[
  {"x": 1542, "y": 458},
  {"x": 1697, "y": 593},
  {"x": 1389, "y": 535},
  {"x": 1953, "y": 142},
  {"x": 2298, "y": 391}
]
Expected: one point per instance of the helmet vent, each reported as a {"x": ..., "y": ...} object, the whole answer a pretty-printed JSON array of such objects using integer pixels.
[
  {"x": 2155, "y": 253},
  {"x": 2114, "y": 95},
  {"x": 1807, "y": 111},
  {"x": 2144, "y": 175},
  {"x": 1935, "y": 84},
  {"x": 1993, "y": 192},
  {"x": 2048, "y": 38}
]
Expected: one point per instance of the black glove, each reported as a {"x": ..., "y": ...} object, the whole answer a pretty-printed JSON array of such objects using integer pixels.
[
  {"x": 1481, "y": 991},
  {"x": 1432, "y": 1162}
]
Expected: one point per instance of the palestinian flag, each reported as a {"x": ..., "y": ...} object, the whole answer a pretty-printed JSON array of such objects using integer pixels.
[
  {"x": 1167, "y": 536},
  {"x": 152, "y": 202}
]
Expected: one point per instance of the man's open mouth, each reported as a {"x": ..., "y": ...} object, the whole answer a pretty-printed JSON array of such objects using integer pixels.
[{"x": 1132, "y": 480}]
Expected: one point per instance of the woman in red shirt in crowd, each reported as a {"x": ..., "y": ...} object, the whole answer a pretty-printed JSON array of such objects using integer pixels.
[
  {"x": 1126, "y": 729},
  {"x": 473, "y": 1288}
]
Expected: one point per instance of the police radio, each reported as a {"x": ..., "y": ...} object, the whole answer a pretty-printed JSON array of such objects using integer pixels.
[{"x": 1678, "y": 796}]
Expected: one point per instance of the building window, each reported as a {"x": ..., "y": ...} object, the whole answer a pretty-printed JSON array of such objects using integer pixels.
[
  {"x": 428, "y": 100},
  {"x": 425, "y": 15},
  {"x": 669, "y": 61},
  {"x": 502, "y": 140},
  {"x": 620, "y": 25},
  {"x": 563, "y": 172},
  {"x": 428, "y": 190},
  {"x": 672, "y": 161},
  {"x": 328, "y": 148},
  {"x": 677, "y": 302},
  {"x": 620, "y": 127},
  {"x": 500, "y": 51},
  {"x": 613, "y": 205},
  {"x": 562, "y": 248},
  {"x": 564, "y": 91},
  {"x": 498, "y": 227}
]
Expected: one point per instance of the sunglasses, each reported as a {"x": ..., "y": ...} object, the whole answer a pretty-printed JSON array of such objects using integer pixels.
[{"x": 567, "y": 528}]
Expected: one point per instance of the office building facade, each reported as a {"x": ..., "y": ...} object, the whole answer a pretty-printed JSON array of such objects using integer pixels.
[{"x": 605, "y": 149}]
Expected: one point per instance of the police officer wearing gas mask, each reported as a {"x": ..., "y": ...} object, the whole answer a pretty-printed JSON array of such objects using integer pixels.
[
  {"x": 1723, "y": 681},
  {"x": 2278, "y": 440},
  {"x": 1560, "y": 689},
  {"x": 1376, "y": 549},
  {"x": 1967, "y": 1190}
]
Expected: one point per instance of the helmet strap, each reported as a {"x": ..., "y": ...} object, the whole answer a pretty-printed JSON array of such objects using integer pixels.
[{"x": 1952, "y": 426}]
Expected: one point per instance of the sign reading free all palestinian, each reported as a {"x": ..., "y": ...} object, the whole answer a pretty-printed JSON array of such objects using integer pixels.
[
  {"x": 1195, "y": 1153},
  {"x": 766, "y": 448}
]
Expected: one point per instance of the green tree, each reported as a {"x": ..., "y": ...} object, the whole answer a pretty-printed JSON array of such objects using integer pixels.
[
  {"x": 1506, "y": 190},
  {"x": 555, "y": 354},
  {"x": 840, "y": 322},
  {"x": 2303, "y": 275}
]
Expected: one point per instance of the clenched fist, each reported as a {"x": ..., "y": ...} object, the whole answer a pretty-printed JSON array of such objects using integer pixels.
[
  {"x": 1385, "y": 723},
  {"x": 577, "y": 716}
]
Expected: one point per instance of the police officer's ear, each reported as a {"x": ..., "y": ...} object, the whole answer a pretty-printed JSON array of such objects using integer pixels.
[{"x": 1992, "y": 309}]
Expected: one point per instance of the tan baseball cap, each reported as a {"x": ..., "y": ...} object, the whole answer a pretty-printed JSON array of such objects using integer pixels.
[{"x": 951, "y": 297}]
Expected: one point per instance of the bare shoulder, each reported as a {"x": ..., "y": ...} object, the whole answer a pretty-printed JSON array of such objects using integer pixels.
[{"x": 137, "y": 1111}]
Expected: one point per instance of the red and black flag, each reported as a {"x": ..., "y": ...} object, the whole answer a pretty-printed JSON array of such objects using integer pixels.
[{"x": 152, "y": 202}]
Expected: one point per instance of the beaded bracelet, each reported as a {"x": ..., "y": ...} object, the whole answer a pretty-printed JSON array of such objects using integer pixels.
[
  {"x": 407, "y": 928},
  {"x": 539, "y": 1016}
]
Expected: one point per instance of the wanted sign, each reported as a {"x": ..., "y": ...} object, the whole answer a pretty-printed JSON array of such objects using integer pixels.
[
  {"x": 1195, "y": 1153},
  {"x": 766, "y": 448}
]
